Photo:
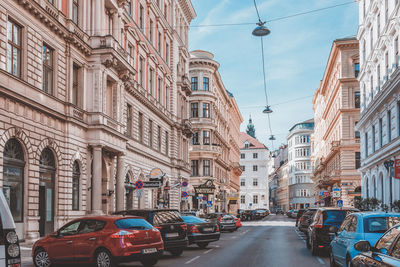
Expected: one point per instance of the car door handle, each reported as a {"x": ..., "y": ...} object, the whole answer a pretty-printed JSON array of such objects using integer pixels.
[
  {"x": 69, "y": 242},
  {"x": 92, "y": 238}
]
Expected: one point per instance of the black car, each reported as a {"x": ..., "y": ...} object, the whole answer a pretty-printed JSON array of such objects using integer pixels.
[
  {"x": 385, "y": 253},
  {"x": 227, "y": 223},
  {"x": 299, "y": 214},
  {"x": 318, "y": 236},
  {"x": 201, "y": 232},
  {"x": 171, "y": 225},
  {"x": 306, "y": 219}
]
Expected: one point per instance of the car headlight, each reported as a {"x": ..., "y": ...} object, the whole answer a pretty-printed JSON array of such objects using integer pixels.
[
  {"x": 12, "y": 237},
  {"x": 13, "y": 250}
]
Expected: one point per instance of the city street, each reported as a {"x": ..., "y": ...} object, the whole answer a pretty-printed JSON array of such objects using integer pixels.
[{"x": 271, "y": 242}]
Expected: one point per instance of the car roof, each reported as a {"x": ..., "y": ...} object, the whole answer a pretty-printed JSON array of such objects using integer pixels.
[
  {"x": 336, "y": 208},
  {"x": 370, "y": 214},
  {"x": 106, "y": 217},
  {"x": 144, "y": 211}
]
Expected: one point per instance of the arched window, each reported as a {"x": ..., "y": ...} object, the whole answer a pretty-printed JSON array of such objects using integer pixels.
[
  {"x": 76, "y": 174},
  {"x": 13, "y": 177}
]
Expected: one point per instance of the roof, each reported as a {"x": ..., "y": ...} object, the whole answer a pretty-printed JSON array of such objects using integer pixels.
[{"x": 254, "y": 143}]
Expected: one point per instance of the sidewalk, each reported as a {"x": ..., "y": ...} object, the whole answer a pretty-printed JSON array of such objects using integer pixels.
[{"x": 26, "y": 249}]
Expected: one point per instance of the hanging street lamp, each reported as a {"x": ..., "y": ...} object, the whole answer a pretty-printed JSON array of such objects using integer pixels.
[
  {"x": 261, "y": 30},
  {"x": 272, "y": 138},
  {"x": 267, "y": 110}
]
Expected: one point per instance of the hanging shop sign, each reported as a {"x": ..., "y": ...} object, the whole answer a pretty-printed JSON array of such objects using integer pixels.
[
  {"x": 151, "y": 184},
  {"x": 207, "y": 188},
  {"x": 156, "y": 174},
  {"x": 336, "y": 192},
  {"x": 326, "y": 194},
  {"x": 397, "y": 168}
]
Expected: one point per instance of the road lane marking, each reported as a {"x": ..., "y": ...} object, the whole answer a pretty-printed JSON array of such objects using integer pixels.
[
  {"x": 302, "y": 238},
  {"x": 205, "y": 252},
  {"x": 244, "y": 232},
  {"x": 233, "y": 237},
  {"x": 192, "y": 260},
  {"x": 320, "y": 261}
]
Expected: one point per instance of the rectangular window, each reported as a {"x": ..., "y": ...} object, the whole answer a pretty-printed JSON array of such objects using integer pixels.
[
  {"x": 195, "y": 168},
  {"x": 166, "y": 143},
  {"x": 206, "y": 84},
  {"x": 140, "y": 127},
  {"x": 358, "y": 160},
  {"x": 75, "y": 85},
  {"x": 206, "y": 110},
  {"x": 396, "y": 52},
  {"x": 159, "y": 138},
  {"x": 255, "y": 155},
  {"x": 195, "y": 138},
  {"x": 14, "y": 48},
  {"x": 75, "y": 10},
  {"x": 110, "y": 99},
  {"x": 255, "y": 199},
  {"x": 255, "y": 182},
  {"x": 389, "y": 125},
  {"x": 380, "y": 141},
  {"x": 166, "y": 97},
  {"x": 373, "y": 139},
  {"x": 357, "y": 99},
  {"x": 255, "y": 168},
  {"x": 159, "y": 43},
  {"x": 151, "y": 81},
  {"x": 129, "y": 120},
  {"x": 167, "y": 53},
  {"x": 357, "y": 133},
  {"x": 243, "y": 156},
  {"x": 243, "y": 168},
  {"x": 242, "y": 182},
  {"x": 47, "y": 80},
  {"x": 151, "y": 31},
  {"x": 194, "y": 110},
  {"x": 141, "y": 18},
  {"x": 129, "y": 8},
  {"x": 150, "y": 133},
  {"x": 159, "y": 84},
  {"x": 356, "y": 69},
  {"x": 141, "y": 71},
  {"x": 206, "y": 138},
  {"x": 243, "y": 199},
  {"x": 194, "y": 84},
  {"x": 366, "y": 145},
  {"x": 206, "y": 167}
]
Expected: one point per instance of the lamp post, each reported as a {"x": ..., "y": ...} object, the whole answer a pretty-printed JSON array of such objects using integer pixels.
[{"x": 389, "y": 164}]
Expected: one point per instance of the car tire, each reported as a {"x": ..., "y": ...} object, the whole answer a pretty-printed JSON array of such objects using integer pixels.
[
  {"x": 149, "y": 262},
  {"x": 103, "y": 258},
  {"x": 202, "y": 244},
  {"x": 332, "y": 262},
  {"x": 176, "y": 252},
  {"x": 41, "y": 258},
  {"x": 314, "y": 249}
]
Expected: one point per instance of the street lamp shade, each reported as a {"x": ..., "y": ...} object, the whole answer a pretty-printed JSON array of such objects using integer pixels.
[
  {"x": 267, "y": 110},
  {"x": 272, "y": 138},
  {"x": 261, "y": 30}
]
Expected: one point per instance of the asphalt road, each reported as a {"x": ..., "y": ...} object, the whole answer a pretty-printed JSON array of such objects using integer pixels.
[{"x": 271, "y": 242}]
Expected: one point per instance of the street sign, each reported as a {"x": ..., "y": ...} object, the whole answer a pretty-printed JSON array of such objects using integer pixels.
[
  {"x": 339, "y": 203},
  {"x": 151, "y": 184},
  {"x": 250, "y": 204},
  {"x": 185, "y": 184},
  {"x": 326, "y": 194},
  {"x": 336, "y": 189},
  {"x": 397, "y": 168},
  {"x": 139, "y": 193},
  {"x": 184, "y": 194},
  {"x": 306, "y": 205},
  {"x": 204, "y": 198},
  {"x": 209, "y": 204},
  {"x": 139, "y": 184},
  {"x": 336, "y": 192}
]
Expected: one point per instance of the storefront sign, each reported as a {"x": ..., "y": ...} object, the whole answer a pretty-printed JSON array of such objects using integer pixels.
[
  {"x": 207, "y": 188},
  {"x": 326, "y": 194},
  {"x": 336, "y": 192},
  {"x": 397, "y": 169},
  {"x": 151, "y": 184},
  {"x": 156, "y": 174}
]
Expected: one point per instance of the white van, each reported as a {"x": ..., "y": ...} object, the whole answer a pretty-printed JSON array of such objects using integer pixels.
[{"x": 10, "y": 255}]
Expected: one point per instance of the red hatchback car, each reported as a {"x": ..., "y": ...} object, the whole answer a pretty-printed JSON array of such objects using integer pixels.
[{"x": 103, "y": 240}]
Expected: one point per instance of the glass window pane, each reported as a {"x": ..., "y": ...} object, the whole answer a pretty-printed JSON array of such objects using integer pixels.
[
  {"x": 15, "y": 67},
  {"x": 13, "y": 190},
  {"x": 49, "y": 204},
  {"x": 16, "y": 35},
  {"x": 9, "y": 31},
  {"x": 9, "y": 58}
]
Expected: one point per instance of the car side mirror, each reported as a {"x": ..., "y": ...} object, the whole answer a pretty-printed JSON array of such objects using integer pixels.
[{"x": 363, "y": 246}]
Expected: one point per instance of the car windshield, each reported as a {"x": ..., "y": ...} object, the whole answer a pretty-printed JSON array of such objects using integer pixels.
[
  {"x": 170, "y": 216},
  {"x": 134, "y": 224},
  {"x": 192, "y": 219},
  {"x": 335, "y": 217},
  {"x": 379, "y": 224}
]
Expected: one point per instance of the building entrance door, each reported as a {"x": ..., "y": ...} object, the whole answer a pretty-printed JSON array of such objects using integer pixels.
[{"x": 46, "y": 204}]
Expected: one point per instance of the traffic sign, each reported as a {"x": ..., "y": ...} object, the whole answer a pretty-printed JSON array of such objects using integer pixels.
[
  {"x": 209, "y": 204},
  {"x": 185, "y": 184},
  {"x": 139, "y": 184},
  {"x": 339, "y": 203},
  {"x": 204, "y": 198},
  {"x": 184, "y": 194}
]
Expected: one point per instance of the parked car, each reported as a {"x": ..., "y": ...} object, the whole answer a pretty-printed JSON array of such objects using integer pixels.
[
  {"x": 293, "y": 214},
  {"x": 318, "y": 234},
  {"x": 279, "y": 211},
  {"x": 227, "y": 223},
  {"x": 201, "y": 232},
  {"x": 238, "y": 223},
  {"x": 299, "y": 214},
  {"x": 289, "y": 213},
  {"x": 368, "y": 226},
  {"x": 188, "y": 213},
  {"x": 171, "y": 225},
  {"x": 385, "y": 252},
  {"x": 10, "y": 255},
  {"x": 103, "y": 240},
  {"x": 306, "y": 219},
  {"x": 214, "y": 217}
]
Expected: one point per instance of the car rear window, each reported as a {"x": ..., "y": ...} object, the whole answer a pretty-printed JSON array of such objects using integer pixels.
[
  {"x": 335, "y": 217},
  {"x": 379, "y": 224},
  {"x": 192, "y": 219},
  {"x": 134, "y": 224},
  {"x": 170, "y": 216}
]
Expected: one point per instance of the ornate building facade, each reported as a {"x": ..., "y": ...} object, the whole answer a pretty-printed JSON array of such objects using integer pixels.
[
  {"x": 214, "y": 150},
  {"x": 94, "y": 95},
  {"x": 379, "y": 124},
  {"x": 336, "y": 143}
]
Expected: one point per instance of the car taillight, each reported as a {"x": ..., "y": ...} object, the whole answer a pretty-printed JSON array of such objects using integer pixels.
[
  {"x": 194, "y": 229},
  {"x": 158, "y": 228},
  {"x": 236, "y": 219},
  {"x": 122, "y": 234},
  {"x": 184, "y": 226},
  {"x": 217, "y": 228},
  {"x": 220, "y": 219},
  {"x": 318, "y": 226}
]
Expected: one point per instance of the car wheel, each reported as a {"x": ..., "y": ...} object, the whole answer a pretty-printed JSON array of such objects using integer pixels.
[
  {"x": 149, "y": 262},
  {"x": 41, "y": 258},
  {"x": 176, "y": 252},
  {"x": 103, "y": 258},
  {"x": 332, "y": 262},
  {"x": 314, "y": 249},
  {"x": 202, "y": 244}
]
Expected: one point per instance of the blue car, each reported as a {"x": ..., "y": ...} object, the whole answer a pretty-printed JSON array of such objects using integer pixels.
[{"x": 368, "y": 226}]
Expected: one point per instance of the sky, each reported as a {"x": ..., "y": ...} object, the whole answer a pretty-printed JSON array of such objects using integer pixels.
[{"x": 296, "y": 53}]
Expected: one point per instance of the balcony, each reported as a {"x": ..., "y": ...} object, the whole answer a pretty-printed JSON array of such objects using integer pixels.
[
  {"x": 206, "y": 148},
  {"x": 187, "y": 128},
  {"x": 185, "y": 85}
]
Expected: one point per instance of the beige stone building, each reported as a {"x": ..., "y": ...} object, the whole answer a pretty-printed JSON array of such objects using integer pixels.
[
  {"x": 336, "y": 144},
  {"x": 93, "y": 97},
  {"x": 214, "y": 150},
  {"x": 279, "y": 186}
]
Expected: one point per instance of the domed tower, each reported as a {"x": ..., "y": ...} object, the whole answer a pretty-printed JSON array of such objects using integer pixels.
[{"x": 251, "y": 130}]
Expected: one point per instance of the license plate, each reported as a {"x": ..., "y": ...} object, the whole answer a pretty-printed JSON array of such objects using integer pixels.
[
  {"x": 229, "y": 221},
  {"x": 208, "y": 229},
  {"x": 171, "y": 234},
  {"x": 149, "y": 250}
]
